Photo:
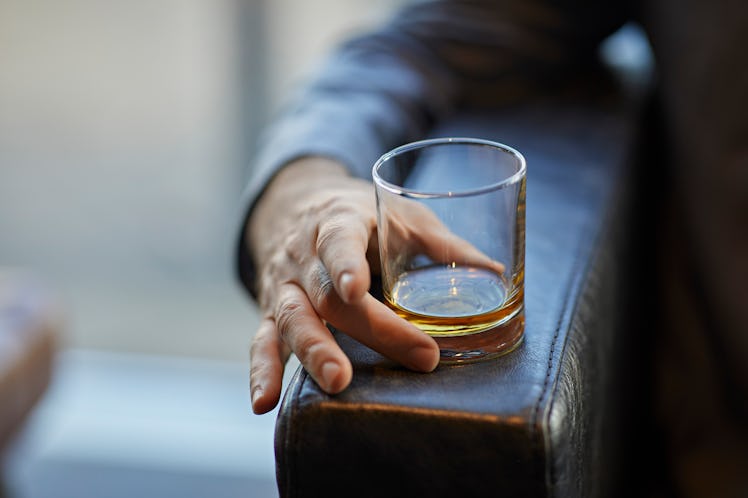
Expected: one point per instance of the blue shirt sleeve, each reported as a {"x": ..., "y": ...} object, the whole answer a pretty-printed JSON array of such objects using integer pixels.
[{"x": 433, "y": 58}]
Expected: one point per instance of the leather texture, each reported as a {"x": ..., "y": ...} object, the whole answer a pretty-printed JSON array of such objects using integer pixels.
[{"x": 535, "y": 422}]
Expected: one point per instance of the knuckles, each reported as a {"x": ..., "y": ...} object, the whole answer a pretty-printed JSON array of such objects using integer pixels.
[
  {"x": 265, "y": 334},
  {"x": 322, "y": 292},
  {"x": 259, "y": 369},
  {"x": 319, "y": 224},
  {"x": 326, "y": 299},
  {"x": 310, "y": 350},
  {"x": 328, "y": 233},
  {"x": 287, "y": 315}
]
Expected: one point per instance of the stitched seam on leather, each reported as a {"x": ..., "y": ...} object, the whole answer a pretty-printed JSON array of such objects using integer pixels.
[
  {"x": 583, "y": 295},
  {"x": 566, "y": 313},
  {"x": 424, "y": 412},
  {"x": 596, "y": 236},
  {"x": 546, "y": 381}
]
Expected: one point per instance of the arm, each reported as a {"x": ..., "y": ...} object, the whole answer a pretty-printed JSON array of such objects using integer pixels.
[{"x": 311, "y": 230}]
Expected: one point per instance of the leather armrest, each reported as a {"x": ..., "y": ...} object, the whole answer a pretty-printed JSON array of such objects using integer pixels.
[{"x": 536, "y": 422}]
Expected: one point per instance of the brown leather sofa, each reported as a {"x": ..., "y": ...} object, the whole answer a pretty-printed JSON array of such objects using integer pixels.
[{"x": 565, "y": 414}]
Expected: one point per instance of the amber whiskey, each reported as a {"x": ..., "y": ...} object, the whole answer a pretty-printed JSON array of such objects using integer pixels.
[{"x": 472, "y": 312}]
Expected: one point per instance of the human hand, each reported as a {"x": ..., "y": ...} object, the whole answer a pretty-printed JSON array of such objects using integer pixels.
[
  {"x": 314, "y": 238},
  {"x": 313, "y": 235}
]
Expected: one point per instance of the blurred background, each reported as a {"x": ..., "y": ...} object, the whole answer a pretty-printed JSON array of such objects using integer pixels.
[
  {"x": 126, "y": 129},
  {"x": 126, "y": 132}
]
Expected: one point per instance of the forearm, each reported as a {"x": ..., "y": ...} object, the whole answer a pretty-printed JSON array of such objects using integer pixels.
[
  {"x": 310, "y": 229},
  {"x": 391, "y": 86}
]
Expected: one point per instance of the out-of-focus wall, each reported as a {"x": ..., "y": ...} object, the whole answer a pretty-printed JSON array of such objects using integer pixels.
[
  {"x": 299, "y": 34},
  {"x": 120, "y": 150},
  {"x": 118, "y": 130},
  {"x": 125, "y": 132}
]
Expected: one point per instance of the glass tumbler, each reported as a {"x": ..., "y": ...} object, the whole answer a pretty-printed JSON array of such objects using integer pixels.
[{"x": 451, "y": 234}]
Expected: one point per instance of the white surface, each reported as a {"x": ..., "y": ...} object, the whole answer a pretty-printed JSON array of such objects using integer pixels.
[{"x": 134, "y": 425}]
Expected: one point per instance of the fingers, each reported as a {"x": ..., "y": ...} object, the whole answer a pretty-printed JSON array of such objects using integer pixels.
[
  {"x": 301, "y": 328},
  {"x": 267, "y": 357},
  {"x": 315, "y": 270},
  {"x": 373, "y": 324},
  {"x": 297, "y": 325},
  {"x": 440, "y": 244},
  {"x": 342, "y": 244}
]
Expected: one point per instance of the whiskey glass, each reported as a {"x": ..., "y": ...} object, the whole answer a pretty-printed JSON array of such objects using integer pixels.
[{"x": 451, "y": 235}]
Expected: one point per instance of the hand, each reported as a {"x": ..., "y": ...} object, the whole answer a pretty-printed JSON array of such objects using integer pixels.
[
  {"x": 313, "y": 236},
  {"x": 413, "y": 229}
]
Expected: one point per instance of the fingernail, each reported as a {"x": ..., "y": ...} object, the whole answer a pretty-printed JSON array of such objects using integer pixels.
[
  {"x": 330, "y": 372},
  {"x": 346, "y": 280},
  {"x": 499, "y": 267},
  {"x": 423, "y": 358}
]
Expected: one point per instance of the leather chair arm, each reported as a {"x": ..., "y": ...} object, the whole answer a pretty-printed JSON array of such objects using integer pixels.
[{"x": 536, "y": 422}]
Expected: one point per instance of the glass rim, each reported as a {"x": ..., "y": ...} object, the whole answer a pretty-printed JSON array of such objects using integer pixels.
[{"x": 490, "y": 187}]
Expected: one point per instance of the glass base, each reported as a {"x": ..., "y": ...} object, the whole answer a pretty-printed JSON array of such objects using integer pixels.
[{"x": 491, "y": 343}]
